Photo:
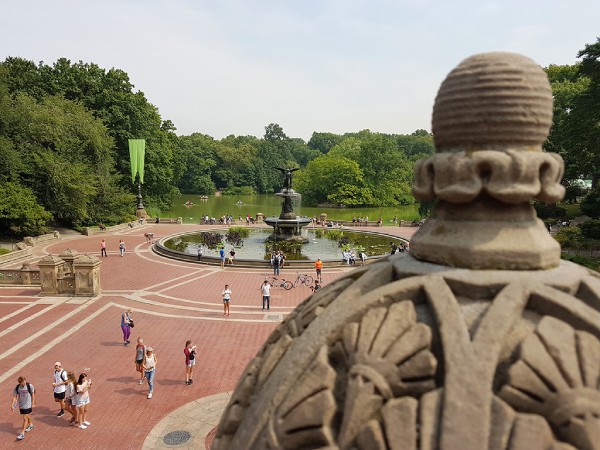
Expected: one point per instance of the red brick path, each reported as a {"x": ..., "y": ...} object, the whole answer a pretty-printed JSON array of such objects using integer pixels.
[{"x": 172, "y": 302}]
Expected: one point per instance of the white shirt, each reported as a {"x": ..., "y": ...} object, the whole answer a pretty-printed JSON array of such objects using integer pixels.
[
  {"x": 266, "y": 289},
  {"x": 58, "y": 379},
  {"x": 227, "y": 294}
]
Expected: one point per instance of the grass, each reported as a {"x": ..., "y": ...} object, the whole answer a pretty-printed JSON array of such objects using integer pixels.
[{"x": 586, "y": 261}]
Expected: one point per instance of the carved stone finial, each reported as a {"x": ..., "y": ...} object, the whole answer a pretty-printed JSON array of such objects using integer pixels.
[{"x": 490, "y": 118}]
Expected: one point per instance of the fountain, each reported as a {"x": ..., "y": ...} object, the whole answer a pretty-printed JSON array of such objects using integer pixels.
[{"x": 288, "y": 227}]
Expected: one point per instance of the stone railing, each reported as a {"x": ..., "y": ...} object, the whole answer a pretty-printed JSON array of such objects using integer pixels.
[
  {"x": 93, "y": 231},
  {"x": 15, "y": 256},
  {"x": 24, "y": 247},
  {"x": 23, "y": 276},
  {"x": 33, "y": 241}
]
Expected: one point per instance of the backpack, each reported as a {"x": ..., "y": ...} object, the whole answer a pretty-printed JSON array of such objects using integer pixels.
[{"x": 28, "y": 388}]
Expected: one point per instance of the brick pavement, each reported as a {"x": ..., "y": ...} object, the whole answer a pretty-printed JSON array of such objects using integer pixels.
[{"x": 172, "y": 301}]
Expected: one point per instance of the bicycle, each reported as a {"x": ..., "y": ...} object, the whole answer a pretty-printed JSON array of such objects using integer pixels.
[
  {"x": 303, "y": 279},
  {"x": 275, "y": 282}
]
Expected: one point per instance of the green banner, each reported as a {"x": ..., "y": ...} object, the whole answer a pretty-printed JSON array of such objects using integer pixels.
[{"x": 137, "y": 151}]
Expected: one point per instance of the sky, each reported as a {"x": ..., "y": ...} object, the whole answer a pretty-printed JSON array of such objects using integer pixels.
[{"x": 222, "y": 67}]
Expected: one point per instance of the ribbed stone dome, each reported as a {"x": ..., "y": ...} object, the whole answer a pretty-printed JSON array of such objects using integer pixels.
[{"x": 491, "y": 100}]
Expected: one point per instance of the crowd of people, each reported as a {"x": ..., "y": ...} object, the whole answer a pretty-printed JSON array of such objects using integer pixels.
[{"x": 70, "y": 392}]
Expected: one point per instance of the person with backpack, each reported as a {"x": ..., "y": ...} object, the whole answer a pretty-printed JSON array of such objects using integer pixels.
[
  {"x": 276, "y": 263},
  {"x": 60, "y": 386},
  {"x": 190, "y": 361},
  {"x": 24, "y": 397}
]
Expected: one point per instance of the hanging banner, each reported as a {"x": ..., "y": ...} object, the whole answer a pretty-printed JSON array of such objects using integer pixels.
[{"x": 137, "y": 152}]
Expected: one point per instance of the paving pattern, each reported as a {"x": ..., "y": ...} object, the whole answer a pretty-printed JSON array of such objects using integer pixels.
[{"x": 172, "y": 301}]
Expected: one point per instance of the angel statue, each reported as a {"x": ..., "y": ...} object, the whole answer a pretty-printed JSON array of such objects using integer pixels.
[{"x": 287, "y": 176}]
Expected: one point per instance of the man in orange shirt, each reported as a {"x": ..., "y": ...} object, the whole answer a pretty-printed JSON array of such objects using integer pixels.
[{"x": 319, "y": 267}]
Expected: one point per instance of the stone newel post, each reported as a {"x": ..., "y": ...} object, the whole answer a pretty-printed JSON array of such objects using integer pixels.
[
  {"x": 480, "y": 338},
  {"x": 51, "y": 267},
  {"x": 87, "y": 275}
]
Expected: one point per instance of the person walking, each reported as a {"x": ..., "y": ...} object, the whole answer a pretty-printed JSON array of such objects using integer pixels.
[
  {"x": 222, "y": 256},
  {"x": 149, "y": 366},
  {"x": 190, "y": 361},
  {"x": 126, "y": 322},
  {"x": 226, "y": 300},
  {"x": 266, "y": 294},
  {"x": 71, "y": 397},
  {"x": 122, "y": 247},
  {"x": 60, "y": 386},
  {"x": 319, "y": 269},
  {"x": 83, "y": 400},
  {"x": 103, "y": 248},
  {"x": 24, "y": 397},
  {"x": 140, "y": 351}
]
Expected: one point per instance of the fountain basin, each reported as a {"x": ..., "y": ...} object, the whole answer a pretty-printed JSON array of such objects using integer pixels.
[{"x": 254, "y": 251}]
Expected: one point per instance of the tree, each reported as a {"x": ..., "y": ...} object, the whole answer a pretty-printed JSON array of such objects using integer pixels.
[
  {"x": 590, "y": 205},
  {"x": 575, "y": 132},
  {"x": 324, "y": 141},
  {"x": 20, "y": 213},
  {"x": 332, "y": 179},
  {"x": 110, "y": 97}
]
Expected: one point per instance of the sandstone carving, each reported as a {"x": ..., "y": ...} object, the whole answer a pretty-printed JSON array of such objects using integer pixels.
[{"x": 453, "y": 346}]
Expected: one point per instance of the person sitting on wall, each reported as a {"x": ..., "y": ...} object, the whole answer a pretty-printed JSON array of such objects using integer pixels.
[{"x": 102, "y": 227}]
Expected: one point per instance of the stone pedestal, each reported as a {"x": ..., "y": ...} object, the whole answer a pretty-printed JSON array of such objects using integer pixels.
[
  {"x": 141, "y": 213},
  {"x": 51, "y": 268},
  {"x": 86, "y": 270},
  {"x": 260, "y": 217},
  {"x": 322, "y": 218}
]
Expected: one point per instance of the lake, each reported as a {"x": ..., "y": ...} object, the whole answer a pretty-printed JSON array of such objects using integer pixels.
[{"x": 270, "y": 206}]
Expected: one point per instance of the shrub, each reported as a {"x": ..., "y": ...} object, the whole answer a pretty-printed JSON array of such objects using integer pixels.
[
  {"x": 570, "y": 237},
  {"x": 549, "y": 211},
  {"x": 241, "y": 231},
  {"x": 334, "y": 235},
  {"x": 591, "y": 229},
  {"x": 590, "y": 204}
]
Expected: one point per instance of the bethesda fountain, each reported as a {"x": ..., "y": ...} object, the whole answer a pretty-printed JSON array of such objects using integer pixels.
[{"x": 287, "y": 227}]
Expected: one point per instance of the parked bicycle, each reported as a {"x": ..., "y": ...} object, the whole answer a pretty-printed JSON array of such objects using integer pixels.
[
  {"x": 281, "y": 283},
  {"x": 303, "y": 279}
]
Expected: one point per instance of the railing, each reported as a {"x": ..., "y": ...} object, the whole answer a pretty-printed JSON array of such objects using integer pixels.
[
  {"x": 93, "y": 231},
  {"x": 14, "y": 256},
  {"x": 20, "y": 277},
  {"x": 33, "y": 241}
]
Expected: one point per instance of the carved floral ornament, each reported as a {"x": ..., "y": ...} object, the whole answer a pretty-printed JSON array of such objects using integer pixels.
[
  {"x": 509, "y": 176},
  {"x": 410, "y": 353}
]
